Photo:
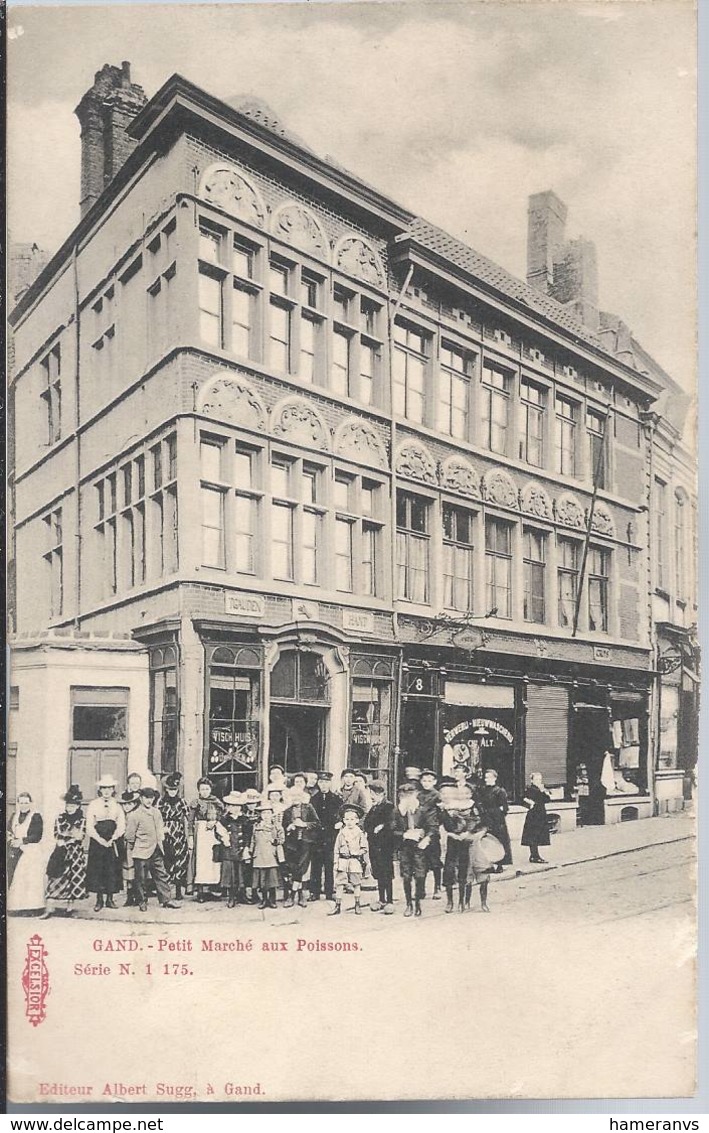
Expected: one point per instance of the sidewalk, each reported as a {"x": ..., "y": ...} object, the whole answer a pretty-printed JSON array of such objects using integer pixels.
[{"x": 586, "y": 844}]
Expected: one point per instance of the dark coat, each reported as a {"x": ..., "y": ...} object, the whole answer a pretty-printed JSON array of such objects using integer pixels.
[
  {"x": 327, "y": 808},
  {"x": 382, "y": 844},
  {"x": 298, "y": 845},
  {"x": 495, "y": 805},
  {"x": 536, "y": 825}
]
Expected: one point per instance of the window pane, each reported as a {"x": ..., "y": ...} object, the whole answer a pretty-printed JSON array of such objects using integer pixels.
[
  {"x": 278, "y": 278},
  {"x": 307, "y": 349},
  {"x": 367, "y": 362},
  {"x": 211, "y": 461},
  {"x": 343, "y": 555},
  {"x": 99, "y": 722},
  {"x": 242, "y": 469},
  {"x": 310, "y": 526},
  {"x": 340, "y": 363},
  {"x": 279, "y": 337},
  {"x": 242, "y": 261},
  {"x": 282, "y": 541},
  {"x": 369, "y": 571},
  {"x": 209, "y": 243},
  {"x": 245, "y": 530},
  {"x": 280, "y": 479},
  {"x": 241, "y": 323},
  {"x": 342, "y": 493}
]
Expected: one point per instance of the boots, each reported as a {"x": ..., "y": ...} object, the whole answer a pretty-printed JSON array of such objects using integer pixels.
[
  {"x": 337, "y": 910},
  {"x": 178, "y": 892},
  {"x": 288, "y": 897},
  {"x": 302, "y": 903},
  {"x": 461, "y": 897},
  {"x": 358, "y": 907},
  {"x": 99, "y": 903},
  {"x": 271, "y": 903},
  {"x": 468, "y": 895},
  {"x": 110, "y": 903},
  {"x": 230, "y": 902},
  {"x": 264, "y": 900},
  {"x": 417, "y": 909},
  {"x": 409, "y": 911},
  {"x": 131, "y": 899},
  {"x": 449, "y": 894}
]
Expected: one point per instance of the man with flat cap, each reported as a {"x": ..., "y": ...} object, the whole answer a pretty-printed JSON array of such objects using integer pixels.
[{"x": 326, "y": 803}]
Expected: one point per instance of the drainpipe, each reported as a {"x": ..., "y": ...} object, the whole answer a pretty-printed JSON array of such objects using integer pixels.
[
  {"x": 393, "y": 308},
  {"x": 77, "y": 425},
  {"x": 650, "y": 421}
]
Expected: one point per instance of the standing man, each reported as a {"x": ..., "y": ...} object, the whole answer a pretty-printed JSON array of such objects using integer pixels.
[
  {"x": 326, "y": 803},
  {"x": 145, "y": 839},
  {"x": 495, "y": 805}
]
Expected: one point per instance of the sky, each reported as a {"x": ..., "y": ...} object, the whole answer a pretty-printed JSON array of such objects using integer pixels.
[{"x": 458, "y": 111}]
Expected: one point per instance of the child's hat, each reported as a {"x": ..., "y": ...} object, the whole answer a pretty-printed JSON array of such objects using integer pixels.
[
  {"x": 148, "y": 792},
  {"x": 353, "y": 807},
  {"x": 378, "y": 786},
  {"x": 427, "y": 771},
  {"x": 234, "y": 798},
  {"x": 252, "y": 795},
  {"x": 408, "y": 789},
  {"x": 266, "y": 806},
  {"x": 325, "y": 775}
]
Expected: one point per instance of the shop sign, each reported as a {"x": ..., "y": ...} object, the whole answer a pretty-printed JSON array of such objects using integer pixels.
[
  {"x": 245, "y": 605},
  {"x": 241, "y": 746},
  {"x": 359, "y": 621},
  {"x": 601, "y": 653},
  {"x": 468, "y": 740},
  {"x": 305, "y": 611}
]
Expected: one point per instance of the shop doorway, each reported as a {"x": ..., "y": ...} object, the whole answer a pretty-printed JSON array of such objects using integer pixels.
[
  {"x": 297, "y": 737},
  {"x": 591, "y": 739}
]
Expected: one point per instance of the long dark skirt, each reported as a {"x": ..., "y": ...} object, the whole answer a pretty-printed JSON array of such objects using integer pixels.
[
  {"x": 536, "y": 828},
  {"x": 298, "y": 857},
  {"x": 104, "y": 871}
]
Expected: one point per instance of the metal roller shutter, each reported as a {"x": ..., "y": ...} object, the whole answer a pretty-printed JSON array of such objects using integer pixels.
[{"x": 547, "y": 733}]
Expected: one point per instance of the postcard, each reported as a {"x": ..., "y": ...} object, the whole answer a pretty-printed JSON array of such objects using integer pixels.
[{"x": 354, "y": 674}]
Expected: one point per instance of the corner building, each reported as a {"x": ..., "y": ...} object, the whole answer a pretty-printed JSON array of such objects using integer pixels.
[{"x": 300, "y": 478}]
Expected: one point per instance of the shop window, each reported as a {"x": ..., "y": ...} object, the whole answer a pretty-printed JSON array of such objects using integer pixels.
[
  {"x": 370, "y": 732},
  {"x": 233, "y": 723},
  {"x": 300, "y": 676},
  {"x": 164, "y": 710}
]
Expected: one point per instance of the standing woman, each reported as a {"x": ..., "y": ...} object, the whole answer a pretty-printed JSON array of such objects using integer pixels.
[
  {"x": 25, "y": 859},
  {"x": 66, "y": 868},
  {"x": 204, "y": 812},
  {"x": 176, "y": 820},
  {"x": 536, "y": 824},
  {"x": 105, "y": 826}
]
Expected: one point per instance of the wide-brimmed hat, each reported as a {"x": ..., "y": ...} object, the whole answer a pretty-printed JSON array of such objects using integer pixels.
[
  {"x": 234, "y": 798},
  {"x": 73, "y": 795},
  {"x": 353, "y": 807},
  {"x": 129, "y": 797},
  {"x": 173, "y": 780},
  {"x": 252, "y": 795},
  {"x": 107, "y": 781}
]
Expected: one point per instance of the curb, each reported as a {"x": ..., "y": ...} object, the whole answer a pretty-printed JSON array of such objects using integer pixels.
[{"x": 596, "y": 857}]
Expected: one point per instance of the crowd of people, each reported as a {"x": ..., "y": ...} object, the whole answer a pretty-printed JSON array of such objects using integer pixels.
[{"x": 296, "y": 841}]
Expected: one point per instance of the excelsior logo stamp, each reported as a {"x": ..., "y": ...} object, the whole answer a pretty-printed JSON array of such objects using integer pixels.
[{"x": 35, "y": 981}]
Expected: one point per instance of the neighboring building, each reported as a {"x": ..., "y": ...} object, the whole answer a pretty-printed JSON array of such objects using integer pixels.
[{"x": 284, "y": 447}]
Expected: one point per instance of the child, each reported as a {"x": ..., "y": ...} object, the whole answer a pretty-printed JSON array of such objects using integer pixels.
[
  {"x": 465, "y": 865},
  {"x": 176, "y": 817},
  {"x": 302, "y": 827},
  {"x": 379, "y": 827},
  {"x": 430, "y": 797},
  {"x": 129, "y": 802},
  {"x": 351, "y": 857},
  {"x": 266, "y": 855},
  {"x": 232, "y": 832},
  {"x": 204, "y": 812},
  {"x": 250, "y": 817},
  {"x": 415, "y": 826}
]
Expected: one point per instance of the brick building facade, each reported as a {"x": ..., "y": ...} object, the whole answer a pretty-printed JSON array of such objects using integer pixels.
[{"x": 300, "y": 478}]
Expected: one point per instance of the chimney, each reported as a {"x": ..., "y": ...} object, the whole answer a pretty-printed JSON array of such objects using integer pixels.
[
  {"x": 565, "y": 269},
  {"x": 546, "y": 222},
  {"x": 105, "y": 112}
]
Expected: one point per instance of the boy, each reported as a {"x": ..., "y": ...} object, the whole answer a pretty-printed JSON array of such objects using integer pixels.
[
  {"x": 326, "y": 804},
  {"x": 415, "y": 826},
  {"x": 430, "y": 797},
  {"x": 379, "y": 827},
  {"x": 350, "y": 792},
  {"x": 145, "y": 837},
  {"x": 129, "y": 802},
  {"x": 350, "y": 857},
  {"x": 495, "y": 805}
]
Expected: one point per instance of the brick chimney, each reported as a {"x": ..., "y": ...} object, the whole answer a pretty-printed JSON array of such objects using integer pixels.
[
  {"x": 105, "y": 113},
  {"x": 565, "y": 269}
]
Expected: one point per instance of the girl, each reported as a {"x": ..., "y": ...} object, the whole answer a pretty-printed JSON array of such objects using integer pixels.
[
  {"x": 176, "y": 819},
  {"x": 204, "y": 812},
  {"x": 301, "y": 826},
  {"x": 233, "y": 833},
  {"x": 69, "y": 885},
  {"x": 266, "y": 855}
]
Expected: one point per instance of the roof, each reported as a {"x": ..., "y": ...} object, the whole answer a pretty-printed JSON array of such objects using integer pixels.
[{"x": 486, "y": 270}]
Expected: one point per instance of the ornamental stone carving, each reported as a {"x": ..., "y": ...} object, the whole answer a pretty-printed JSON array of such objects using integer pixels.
[
  {"x": 356, "y": 257},
  {"x": 460, "y": 476},
  {"x": 536, "y": 501},
  {"x": 296, "y": 420},
  {"x": 499, "y": 488},
  {"x": 602, "y": 521},
  {"x": 231, "y": 190},
  {"x": 569, "y": 511},
  {"x": 233, "y": 400},
  {"x": 298, "y": 226},
  {"x": 358, "y": 440},
  {"x": 414, "y": 462}
]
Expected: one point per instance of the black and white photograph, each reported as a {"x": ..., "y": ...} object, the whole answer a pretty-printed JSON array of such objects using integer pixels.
[{"x": 354, "y": 671}]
